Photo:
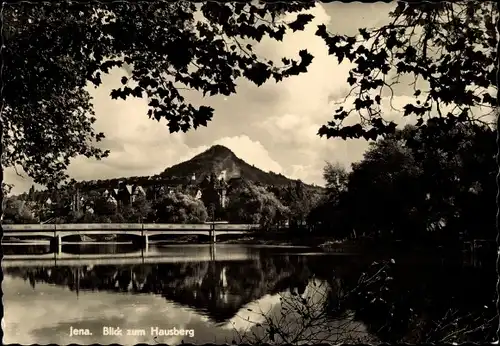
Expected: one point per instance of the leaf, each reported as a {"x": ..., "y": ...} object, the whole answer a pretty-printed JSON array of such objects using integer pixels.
[
  {"x": 137, "y": 92},
  {"x": 300, "y": 22},
  {"x": 154, "y": 103},
  {"x": 259, "y": 73},
  {"x": 364, "y": 33}
]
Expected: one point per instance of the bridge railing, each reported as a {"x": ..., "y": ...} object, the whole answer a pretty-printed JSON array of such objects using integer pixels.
[
  {"x": 99, "y": 226},
  {"x": 127, "y": 226},
  {"x": 166, "y": 226},
  {"x": 234, "y": 227},
  {"x": 68, "y": 227},
  {"x": 29, "y": 227}
]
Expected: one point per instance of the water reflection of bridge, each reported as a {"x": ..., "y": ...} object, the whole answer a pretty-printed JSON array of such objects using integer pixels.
[
  {"x": 198, "y": 254},
  {"x": 216, "y": 281}
]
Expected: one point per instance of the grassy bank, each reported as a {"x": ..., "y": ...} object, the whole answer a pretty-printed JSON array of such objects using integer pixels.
[{"x": 319, "y": 243}]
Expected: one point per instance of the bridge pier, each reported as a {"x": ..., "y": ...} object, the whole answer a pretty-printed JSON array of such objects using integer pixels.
[
  {"x": 212, "y": 252},
  {"x": 56, "y": 244},
  {"x": 213, "y": 237}
]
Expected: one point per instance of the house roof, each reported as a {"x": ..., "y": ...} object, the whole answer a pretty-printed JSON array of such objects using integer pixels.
[
  {"x": 129, "y": 188},
  {"x": 111, "y": 199},
  {"x": 139, "y": 188},
  {"x": 222, "y": 175}
]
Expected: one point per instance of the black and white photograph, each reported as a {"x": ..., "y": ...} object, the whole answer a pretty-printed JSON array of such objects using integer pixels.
[{"x": 293, "y": 172}]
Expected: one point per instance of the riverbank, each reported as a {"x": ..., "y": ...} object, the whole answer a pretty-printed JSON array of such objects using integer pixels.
[
  {"x": 376, "y": 248},
  {"x": 319, "y": 243}
]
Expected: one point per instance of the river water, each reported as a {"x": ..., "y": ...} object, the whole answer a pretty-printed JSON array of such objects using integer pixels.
[{"x": 215, "y": 294}]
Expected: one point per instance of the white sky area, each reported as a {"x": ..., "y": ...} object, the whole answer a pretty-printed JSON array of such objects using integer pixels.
[{"x": 273, "y": 127}]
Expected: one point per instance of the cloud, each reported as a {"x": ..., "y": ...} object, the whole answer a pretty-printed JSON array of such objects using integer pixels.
[{"x": 252, "y": 152}]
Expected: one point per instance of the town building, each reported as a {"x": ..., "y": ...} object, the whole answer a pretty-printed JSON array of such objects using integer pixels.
[
  {"x": 214, "y": 190},
  {"x": 127, "y": 194}
]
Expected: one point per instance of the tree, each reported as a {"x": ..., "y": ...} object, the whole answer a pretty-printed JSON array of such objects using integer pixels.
[
  {"x": 100, "y": 204},
  {"x": 210, "y": 194},
  {"x": 336, "y": 178},
  {"x": 180, "y": 208},
  {"x": 72, "y": 217},
  {"x": 422, "y": 183},
  {"x": 138, "y": 211},
  {"x": 449, "y": 48},
  {"x": 61, "y": 202},
  {"x": 300, "y": 201},
  {"x": 6, "y": 189},
  {"x": 298, "y": 198},
  {"x": 458, "y": 174},
  {"x": 330, "y": 214},
  {"x": 18, "y": 211},
  {"x": 248, "y": 203},
  {"x": 142, "y": 207},
  {"x": 52, "y": 51},
  {"x": 384, "y": 191},
  {"x": 31, "y": 193}
]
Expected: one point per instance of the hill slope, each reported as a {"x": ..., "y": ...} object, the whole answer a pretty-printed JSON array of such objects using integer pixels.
[
  {"x": 219, "y": 158},
  {"x": 216, "y": 159}
]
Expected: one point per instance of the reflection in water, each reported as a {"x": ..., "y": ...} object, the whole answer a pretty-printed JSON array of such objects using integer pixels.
[
  {"x": 221, "y": 298},
  {"x": 215, "y": 289}
]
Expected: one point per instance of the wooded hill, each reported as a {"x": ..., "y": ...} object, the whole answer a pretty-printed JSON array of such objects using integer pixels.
[{"x": 216, "y": 159}]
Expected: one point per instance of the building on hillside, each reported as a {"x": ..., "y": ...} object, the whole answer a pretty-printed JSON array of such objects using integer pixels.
[
  {"x": 198, "y": 194},
  {"x": 109, "y": 196},
  {"x": 222, "y": 188},
  {"x": 214, "y": 191},
  {"x": 137, "y": 191},
  {"x": 154, "y": 191},
  {"x": 161, "y": 187},
  {"x": 126, "y": 194},
  {"x": 76, "y": 200},
  {"x": 48, "y": 202},
  {"x": 193, "y": 191},
  {"x": 223, "y": 175}
]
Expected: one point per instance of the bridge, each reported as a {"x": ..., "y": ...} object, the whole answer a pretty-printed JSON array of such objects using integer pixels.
[
  {"x": 143, "y": 231},
  {"x": 198, "y": 254}
]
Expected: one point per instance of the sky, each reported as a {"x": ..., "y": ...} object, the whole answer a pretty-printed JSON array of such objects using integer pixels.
[{"x": 273, "y": 127}]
